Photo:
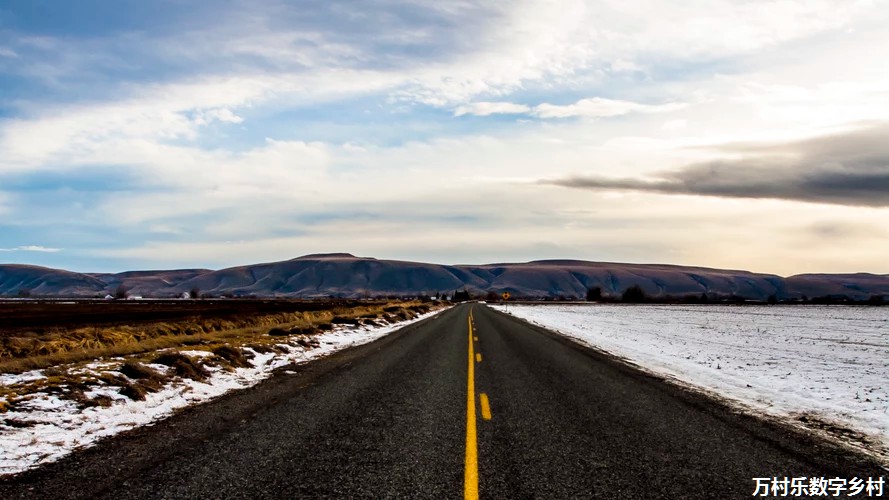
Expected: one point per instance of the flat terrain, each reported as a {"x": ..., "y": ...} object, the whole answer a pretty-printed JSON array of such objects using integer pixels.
[{"x": 406, "y": 416}]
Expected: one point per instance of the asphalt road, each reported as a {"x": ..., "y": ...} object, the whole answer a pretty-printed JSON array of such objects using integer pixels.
[{"x": 431, "y": 412}]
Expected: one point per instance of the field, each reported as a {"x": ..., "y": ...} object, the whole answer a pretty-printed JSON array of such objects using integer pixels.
[
  {"x": 39, "y": 334},
  {"x": 74, "y": 372},
  {"x": 53, "y": 340},
  {"x": 43, "y": 315},
  {"x": 822, "y": 367}
]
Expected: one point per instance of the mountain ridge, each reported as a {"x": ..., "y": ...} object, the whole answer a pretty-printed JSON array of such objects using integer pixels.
[{"x": 345, "y": 275}]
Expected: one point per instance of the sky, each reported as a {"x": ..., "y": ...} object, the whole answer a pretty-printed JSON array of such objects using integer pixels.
[{"x": 205, "y": 134}]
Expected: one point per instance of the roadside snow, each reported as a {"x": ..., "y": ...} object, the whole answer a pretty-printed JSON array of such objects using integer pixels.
[
  {"x": 829, "y": 362},
  {"x": 49, "y": 428}
]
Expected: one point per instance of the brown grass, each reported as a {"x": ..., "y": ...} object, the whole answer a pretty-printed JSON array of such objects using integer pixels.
[
  {"x": 237, "y": 358},
  {"x": 30, "y": 352},
  {"x": 184, "y": 366},
  {"x": 57, "y": 352}
]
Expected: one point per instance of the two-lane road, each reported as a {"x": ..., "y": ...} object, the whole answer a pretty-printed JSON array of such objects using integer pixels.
[{"x": 470, "y": 403}]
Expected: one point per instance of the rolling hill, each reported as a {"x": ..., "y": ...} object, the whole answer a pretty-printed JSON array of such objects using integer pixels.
[{"x": 344, "y": 275}]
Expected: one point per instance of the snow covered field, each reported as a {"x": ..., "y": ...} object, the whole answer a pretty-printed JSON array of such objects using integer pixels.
[
  {"x": 828, "y": 363},
  {"x": 55, "y": 427}
]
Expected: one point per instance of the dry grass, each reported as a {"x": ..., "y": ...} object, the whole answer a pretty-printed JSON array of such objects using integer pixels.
[
  {"x": 183, "y": 366},
  {"x": 64, "y": 356},
  {"x": 237, "y": 358},
  {"x": 30, "y": 352},
  {"x": 136, "y": 370}
]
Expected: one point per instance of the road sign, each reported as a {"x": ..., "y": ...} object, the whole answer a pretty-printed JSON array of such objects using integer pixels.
[{"x": 505, "y": 295}]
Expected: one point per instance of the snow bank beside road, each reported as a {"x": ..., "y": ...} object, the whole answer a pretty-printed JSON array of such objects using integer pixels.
[
  {"x": 828, "y": 363},
  {"x": 48, "y": 427}
]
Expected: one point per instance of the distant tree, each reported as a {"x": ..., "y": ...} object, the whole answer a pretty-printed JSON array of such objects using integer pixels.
[
  {"x": 633, "y": 294},
  {"x": 492, "y": 296},
  {"x": 876, "y": 300},
  {"x": 773, "y": 299},
  {"x": 24, "y": 293},
  {"x": 195, "y": 293},
  {"x": 594, "y": 294},
  {"x": 831, "y": 299},
  {"x": 461, "y": 295},
  {"x": 121, "y": 292}
]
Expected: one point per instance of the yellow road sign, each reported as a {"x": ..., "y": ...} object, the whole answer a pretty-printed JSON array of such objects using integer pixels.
[{"x": 505, "y": 295}]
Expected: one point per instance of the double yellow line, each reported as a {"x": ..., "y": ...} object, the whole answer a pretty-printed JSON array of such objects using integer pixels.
[{"x": 470, "y": 474}]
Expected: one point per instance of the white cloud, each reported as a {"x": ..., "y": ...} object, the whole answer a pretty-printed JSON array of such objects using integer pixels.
[
  {"x": 71, "y": 135},
  {"x": 674, "y": 125},
  {"x": 224, "y": 115},
  {"x": 523, "y": 43},
  {"x": 491, "y": 108},
  {"x": 598, "y": 107},
  {"x": 279, "y": 175},
  {"x": 702, "y": 29},
  {"x": 595, "y": 107},
  {"x": 31, "y": 248},
  {"x": 7, "y": 52},
  {"x": 534, "y": 42},
  {"x": 822, "y": 104}
]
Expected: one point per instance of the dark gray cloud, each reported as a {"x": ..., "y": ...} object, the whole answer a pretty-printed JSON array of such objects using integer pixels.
[{"x": 845, "y": 169}]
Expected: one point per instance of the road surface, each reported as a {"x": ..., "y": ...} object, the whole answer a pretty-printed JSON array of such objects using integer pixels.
[{"x": 471, "y": 403}]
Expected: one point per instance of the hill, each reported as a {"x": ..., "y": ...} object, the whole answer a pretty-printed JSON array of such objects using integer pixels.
[{"x": 344, "y": 275}]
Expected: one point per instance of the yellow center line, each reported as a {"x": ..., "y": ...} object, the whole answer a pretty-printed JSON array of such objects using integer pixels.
[
  {"x": 470, "y": 472},
  {"x": 486, "y": 406},
  {"x": 475, "y": 339},
  {"x": 478, "y": 357}
]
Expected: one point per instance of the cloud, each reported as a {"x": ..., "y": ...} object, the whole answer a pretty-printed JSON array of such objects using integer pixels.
[
  {"x": 850, "y": 168},
  {"x": 31, "y": 248},
  {"x": 594, "y": 107},
  {"x": 820, "y": 104},
  {"x": 223, "y": 115},
  {"x": 434, "y": 55},
  {"x": 278, "y": 56},
  {"x": 7, "y": 52},
  {"x": 674, "y": 125},
  {"x": 532, "y": 43},
  {"x": 597, "y": 107},
  {"x": 491, "y": 108},
  {"x": 68, "y": 136}
]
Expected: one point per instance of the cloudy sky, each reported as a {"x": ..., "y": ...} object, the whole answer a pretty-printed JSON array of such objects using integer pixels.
[{"x": 735, "y": 134}]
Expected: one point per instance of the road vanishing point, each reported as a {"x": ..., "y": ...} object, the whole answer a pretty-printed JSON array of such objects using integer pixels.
[{"x": 470, "y": 403}]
